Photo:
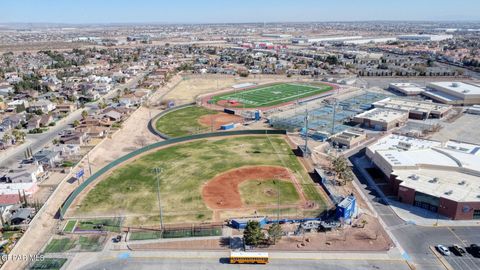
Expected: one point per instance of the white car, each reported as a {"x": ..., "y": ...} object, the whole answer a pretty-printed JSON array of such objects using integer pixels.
[{"x": 444, "y": 250}]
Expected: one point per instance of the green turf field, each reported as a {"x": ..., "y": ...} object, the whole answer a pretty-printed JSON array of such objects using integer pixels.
[
  {"x": 273, "y": 94},
  {"x": 70, "y": 226},
  {"x": 75, "y": 243},
  {"x": 49, "y": 264},
  {"x": 267, "y": 192},
  {"x": 183, "y": 122},
  {"x": 132, "y": 189},
  {"x": 59, "y": 245},
  {"x": 111, "y": 225}
]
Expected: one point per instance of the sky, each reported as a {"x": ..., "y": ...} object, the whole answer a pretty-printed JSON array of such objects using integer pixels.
[{"x": 233, "y": 11}]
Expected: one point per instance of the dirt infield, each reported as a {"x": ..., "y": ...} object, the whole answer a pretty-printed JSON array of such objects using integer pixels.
[
  {"x": 222, "y": 191},
  {"x": 219, "y": 119}
]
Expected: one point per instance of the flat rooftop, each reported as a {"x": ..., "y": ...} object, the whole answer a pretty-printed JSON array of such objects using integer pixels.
[
  {"x": 456, "y": 186},
  {"x": 408, "y": 87},
  {"x": 458, "y": 87},
  {"x": 402, "y": 143},
  {"x": 408, "y": 105},
  {"x": 382, "y": 115}
]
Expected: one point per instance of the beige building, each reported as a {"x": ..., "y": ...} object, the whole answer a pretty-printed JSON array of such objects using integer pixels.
[
  {"x": 416, "y": 109},
  {"x": 381, "y": 119},
  {"x": 349, "y": 138},
  {"x": 454, "y": 93}
]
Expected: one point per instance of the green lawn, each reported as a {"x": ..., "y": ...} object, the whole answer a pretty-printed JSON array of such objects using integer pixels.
[
  {"x": 145, "y": 235},
  {"x": 49, "y": 264},
  {"x": 273, "y": 94},
  {"x": 70, "y": 226},
  {"x": 59, "y": 245},
  {"x": 111, "y": 225},
  {"x": 183, "y": 122},
  {"x": 256, "y": 193},
  {"x": 132, "y": 188},
  {"x": 90, "y": 243}
]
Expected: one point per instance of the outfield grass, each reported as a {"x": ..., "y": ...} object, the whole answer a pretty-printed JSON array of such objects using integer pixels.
[
  {"x": 132, "y": 188},
  {"x": 273, "y": 94},
  {"x": 49, "y": 264},
  {"x": 183, "y": 122},
  {"x": 266, "y": 192}
]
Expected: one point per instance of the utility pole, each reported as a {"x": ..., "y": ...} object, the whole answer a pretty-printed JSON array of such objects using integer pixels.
[
  {"x": 89, "y": 165},
  {"x": 305, "y": 153},
  {"x": 333, "y": 118},
  {"x": 157, "y": 173}
]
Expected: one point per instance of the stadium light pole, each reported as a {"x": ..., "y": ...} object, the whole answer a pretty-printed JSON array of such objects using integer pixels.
[{"x": 157, "y": 174}]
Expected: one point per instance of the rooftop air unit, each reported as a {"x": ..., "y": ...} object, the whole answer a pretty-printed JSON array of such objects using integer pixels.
[{"x": 449, "y": 192}]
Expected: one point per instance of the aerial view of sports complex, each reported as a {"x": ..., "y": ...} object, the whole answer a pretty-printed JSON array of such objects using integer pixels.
[
  {"x": 241, "y": 140},
  {"x": 249, "y": 172}
]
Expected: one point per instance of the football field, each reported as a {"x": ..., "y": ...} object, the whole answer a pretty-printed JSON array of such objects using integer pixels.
[{"x": 270, "y": 95}]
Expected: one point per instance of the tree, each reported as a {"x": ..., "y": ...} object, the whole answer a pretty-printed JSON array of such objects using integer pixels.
[
  {"x": 19, "y": 135},
  {"x": 340, "y": 166},
  {"x": 84, "y": 114},
  {"x": 275, "y": 233},
  {"x": 253, "y": 233},
  {"x": 6, "y": 137},
  {"x": 76, "y": 123}
]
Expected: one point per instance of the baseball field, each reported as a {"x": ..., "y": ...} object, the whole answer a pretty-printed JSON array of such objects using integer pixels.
[
  {"x": 193, "y": 120},
  {"x": 207, "y": 180},
  {"x": 270, "y": 95}
]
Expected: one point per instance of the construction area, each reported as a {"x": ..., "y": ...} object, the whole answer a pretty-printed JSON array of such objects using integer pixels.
[{"x": 325, "y": 117}]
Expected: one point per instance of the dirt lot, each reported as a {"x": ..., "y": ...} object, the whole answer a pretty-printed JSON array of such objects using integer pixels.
[
  {"x": 219, "y": 119},
  {"x": 222, "y": 192},
  {"x": 461, "y": 129},
  {"x": 194, "y": 85}
]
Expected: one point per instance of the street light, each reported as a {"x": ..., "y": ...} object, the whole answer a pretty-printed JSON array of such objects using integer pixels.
[{"x": 157, "y": 173}]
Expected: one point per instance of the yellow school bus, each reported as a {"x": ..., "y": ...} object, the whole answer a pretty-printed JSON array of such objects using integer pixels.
[{"x": 248, "y": 257}]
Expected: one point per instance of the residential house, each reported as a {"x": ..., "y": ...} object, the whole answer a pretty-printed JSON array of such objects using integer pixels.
[
  {"x": 67, "y": 150},
  {"x": 26, "y": 173},
  {"x": 46, "y": 120},
  {"x": 47, "y": 157},
  {"x": 74, "y": 138},
  {"x": 66, "y": 108},
  {"x": 43, "y": 105},
  {"x": 33, "y": 122},
  {"x": 93, "y": 131}
]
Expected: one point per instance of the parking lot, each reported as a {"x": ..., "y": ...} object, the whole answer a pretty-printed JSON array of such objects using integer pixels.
[
  {"x": 465, "y": 236},
  {"x": 466, "y": 262}
]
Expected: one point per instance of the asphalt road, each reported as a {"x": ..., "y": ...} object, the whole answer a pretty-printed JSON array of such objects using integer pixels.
[
  {"x": 211, "y": 264},
  {"x": 416, "y": 240},
  {"x": 38, "y": 141}
]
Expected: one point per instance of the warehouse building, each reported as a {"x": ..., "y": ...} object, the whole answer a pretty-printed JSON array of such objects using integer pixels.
[
  {"x": 453, "y": 93},
  {"x": 423, "y": 38},
  {"x": 416, "y": 109},
  {"x": 381, "y": 119},
  {"x": 442, "y": 178},
  {"x": 408, "y": 89}
]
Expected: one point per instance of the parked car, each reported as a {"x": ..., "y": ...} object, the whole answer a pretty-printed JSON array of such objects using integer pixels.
[
  {"x": 457, "y": 250},
  {"x": 474, "y": 250},
  {"x": 444, "y": 250},
  {"x": 117, "y": 239}
]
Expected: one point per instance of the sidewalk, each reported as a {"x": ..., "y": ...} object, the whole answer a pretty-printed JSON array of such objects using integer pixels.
[{"x": 419, "y": 216}]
